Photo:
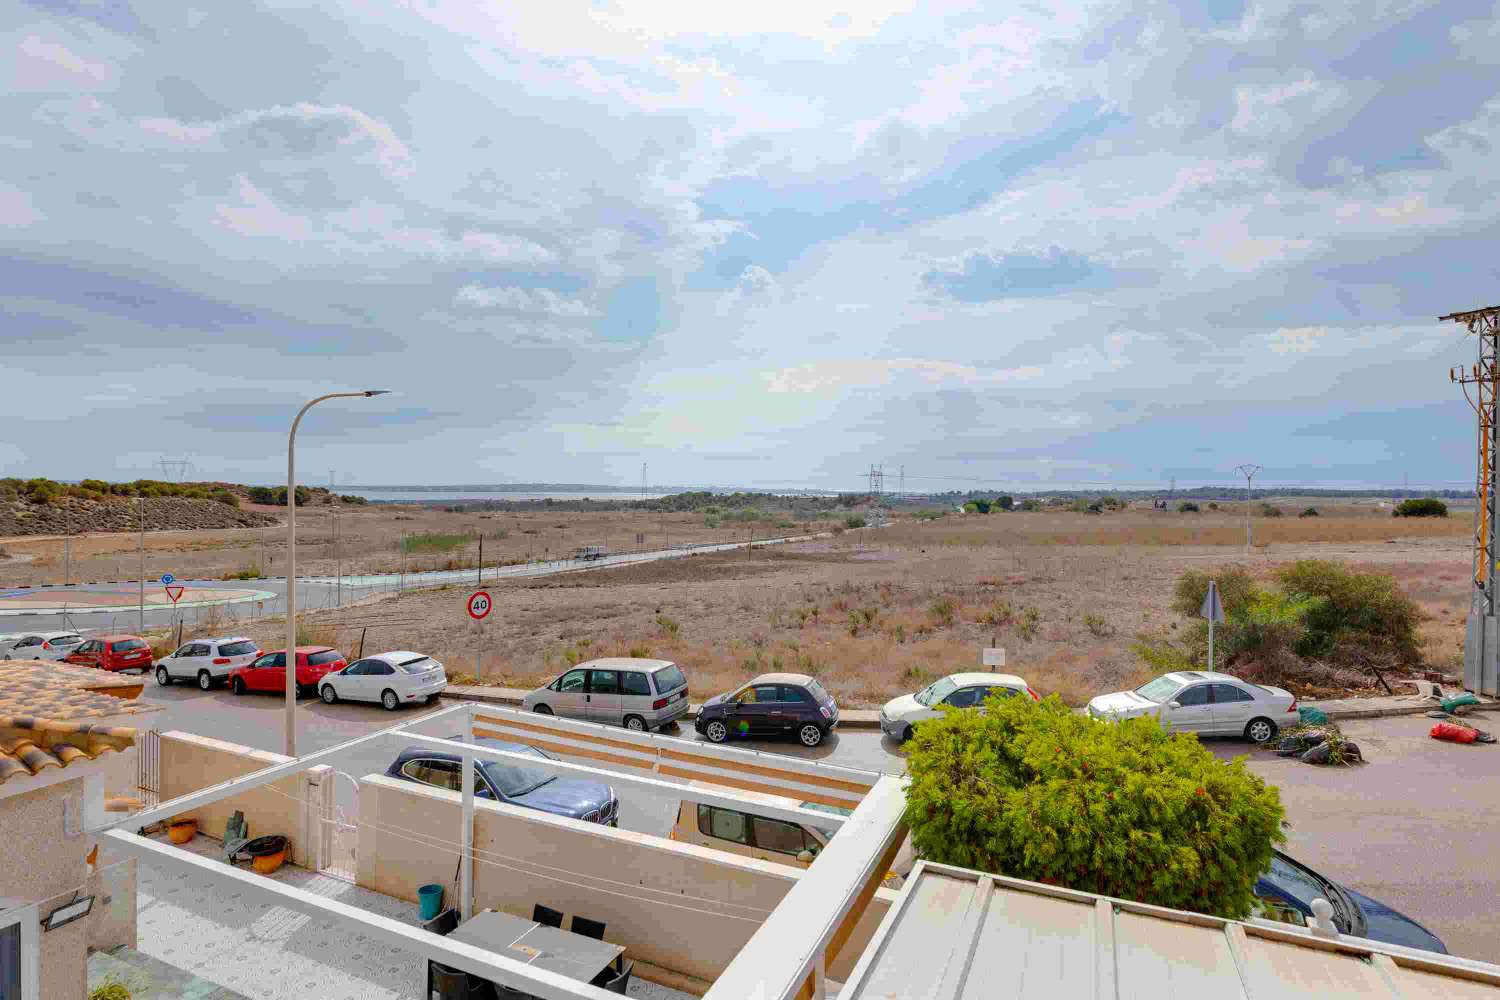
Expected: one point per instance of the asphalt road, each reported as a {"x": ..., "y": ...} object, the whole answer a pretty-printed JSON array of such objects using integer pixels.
[{"x": 1408, "y": 827}]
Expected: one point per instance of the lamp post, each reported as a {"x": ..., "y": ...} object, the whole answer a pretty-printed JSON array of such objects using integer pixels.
[
  {"x": 1248, "y": 470},
  {"x": 291, "y": 564}
]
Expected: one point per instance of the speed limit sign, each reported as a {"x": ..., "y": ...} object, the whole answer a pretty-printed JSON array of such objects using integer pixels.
[{"x": 479, "y": 604}]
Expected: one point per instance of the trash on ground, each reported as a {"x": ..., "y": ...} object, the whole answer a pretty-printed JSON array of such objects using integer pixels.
[
  {"x": 1454, "y": 733},
  {"x": 1458, "y": 701},
  {"x": 1310, "y": 716}
]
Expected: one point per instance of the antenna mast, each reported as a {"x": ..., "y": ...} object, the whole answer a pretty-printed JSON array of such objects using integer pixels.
[{"x": 1482, "y": 637}]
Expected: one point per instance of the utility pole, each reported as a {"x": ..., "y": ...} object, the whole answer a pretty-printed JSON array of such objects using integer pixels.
[
  {"x": 140, "y": 516},
  {"x": 1481, "y": 651},
  {"x": 1248, "y": 470},
  {"x": 67, "y": 560}
]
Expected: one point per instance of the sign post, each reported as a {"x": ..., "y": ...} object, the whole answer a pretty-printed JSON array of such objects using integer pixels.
[
  {"x": 1213, "y": 610},
  {"x": 479, "y": 606}
]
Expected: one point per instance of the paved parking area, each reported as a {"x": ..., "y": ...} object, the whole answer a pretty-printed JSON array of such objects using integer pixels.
[{"x": 1409, "y": 827}]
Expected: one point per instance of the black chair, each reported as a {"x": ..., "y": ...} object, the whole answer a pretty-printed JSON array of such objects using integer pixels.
[
  {"x": 455, "y": 984},
  {"x": 588, "y": 928},
  {"x": 443, "y": 923},
  {"x": 546, "y": 916},
  {"x": 615, "y": 982}
]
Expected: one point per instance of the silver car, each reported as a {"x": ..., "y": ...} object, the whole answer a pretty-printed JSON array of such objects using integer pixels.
[
  {"x": 638, "y": 694},
  {"x": 39, "y": 645},
  {"x": 1206, "y": 703}
]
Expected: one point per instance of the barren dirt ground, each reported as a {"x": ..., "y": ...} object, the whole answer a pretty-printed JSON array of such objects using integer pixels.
[{"x": 876, "y": 613}]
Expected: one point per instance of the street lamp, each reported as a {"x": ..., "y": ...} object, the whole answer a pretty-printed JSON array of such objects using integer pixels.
[{"x": 291, "y": 564}]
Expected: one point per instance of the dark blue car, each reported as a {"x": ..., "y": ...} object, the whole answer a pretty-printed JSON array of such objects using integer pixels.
[
  {"x": 1290, "y": 886},
  {"x": 516, "y": 783}
]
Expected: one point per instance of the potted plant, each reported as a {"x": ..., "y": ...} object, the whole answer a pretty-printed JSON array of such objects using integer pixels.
[{"x": 180, "y": 831}]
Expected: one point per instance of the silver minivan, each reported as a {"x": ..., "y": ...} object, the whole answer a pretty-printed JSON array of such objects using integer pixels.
[{"x": 624, "y": 691}]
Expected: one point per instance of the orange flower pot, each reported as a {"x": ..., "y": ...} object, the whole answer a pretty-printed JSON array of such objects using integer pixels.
[
  {"x": 183, "y": 831},
  {"x": 268, "y": 863}
]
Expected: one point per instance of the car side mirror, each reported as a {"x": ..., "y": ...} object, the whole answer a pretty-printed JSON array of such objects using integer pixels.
[
  {"x": 1174, "y": 705},
  {"x": 805, "y": 857}
]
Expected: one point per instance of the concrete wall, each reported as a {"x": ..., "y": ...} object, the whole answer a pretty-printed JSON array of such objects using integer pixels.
[
  {"x": 63, "y": 962},
  {"x": 684, "y": 908},
  {"x": 39, "y": 861},
  {"x": 292, "y": 807}
]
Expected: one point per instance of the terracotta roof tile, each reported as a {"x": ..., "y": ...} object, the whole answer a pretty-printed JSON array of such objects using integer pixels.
[
  {"x": 63, "y": 691},
  {"x": 29, "y": 746}
]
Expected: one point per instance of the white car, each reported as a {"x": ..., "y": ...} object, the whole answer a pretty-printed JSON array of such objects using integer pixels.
[
  {"x": 206, "y": 661},
  {"x": 391, "y": 678},
  {"x": 39, "y": 645},
  {"x": 1206, "y": 703},
  {"x": 900, "y": 715}
]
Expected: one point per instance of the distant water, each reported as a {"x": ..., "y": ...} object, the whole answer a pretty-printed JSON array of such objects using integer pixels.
[{"x": 440, "y": 495}]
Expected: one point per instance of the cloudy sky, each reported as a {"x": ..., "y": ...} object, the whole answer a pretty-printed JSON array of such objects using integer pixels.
[{"x": 765, "y": 244}]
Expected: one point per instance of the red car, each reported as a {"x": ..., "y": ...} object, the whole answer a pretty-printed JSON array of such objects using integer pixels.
[
  {"x": 112, "y": 652},
  {"x": 267, "y": 672}
]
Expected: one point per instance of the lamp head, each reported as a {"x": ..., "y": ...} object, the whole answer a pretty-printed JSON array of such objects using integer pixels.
[{"x": 376, "y": 392}]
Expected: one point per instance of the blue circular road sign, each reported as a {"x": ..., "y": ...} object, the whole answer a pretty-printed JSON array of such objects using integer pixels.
[{"x": 167, "y": 578}]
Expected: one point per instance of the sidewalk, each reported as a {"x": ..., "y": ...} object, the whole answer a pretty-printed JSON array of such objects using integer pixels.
[{"x": 869, "y": 718}]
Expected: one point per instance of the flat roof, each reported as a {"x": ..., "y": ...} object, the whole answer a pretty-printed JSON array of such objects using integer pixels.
[{"x": 956, "y": 934}]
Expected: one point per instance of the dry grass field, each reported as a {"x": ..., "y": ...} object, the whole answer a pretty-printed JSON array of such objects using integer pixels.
[
  {"x": 363, "y": 540},
  {"x": 876, "y": 613}
]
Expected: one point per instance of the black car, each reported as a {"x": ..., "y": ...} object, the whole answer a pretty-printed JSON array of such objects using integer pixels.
[
  {"x": 1287, "y": 890},
  {"x": 771, "y": 705},
  {"x": 516, "y": 784}
]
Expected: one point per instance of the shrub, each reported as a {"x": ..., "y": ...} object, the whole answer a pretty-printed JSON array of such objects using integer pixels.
[
  {"x": 711, "y": 521},
  {"x": 1005, "y": 502},
  {"x": 1030, "y": 504},
  {"x": 942, "y": 610},
  {"x": 1309, "y": 512},
  {"x": 999, "y": 613},
  {"x": 353, "y": 498},
  {"x": 225, "y": 497},
  {"x": 1266, "y": 510},
  {"x": 110, "y": 988},
  {"x": 432, "y": 541},
  {"x": 640, "y": 652},
  {"x": 1188, "y": 507},
  {"x": 1236, "y": 590},
  {"x": 1027, "y": 624},
  {"x": 1360, "y": 619},
  {"x": 669, "y": 627},
  {"x": 1034, "y": 791},
  {"x": 1211, "y": 506},
  {"x": 249, "y": 571},
  {"x": 1098, "y": 626},
  {"x": 854, "y": 521},
  {"x": 1421, "y": 507}
]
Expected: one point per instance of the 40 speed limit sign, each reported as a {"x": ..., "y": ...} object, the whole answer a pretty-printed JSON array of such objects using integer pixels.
[{"x": 479, "y": 604}]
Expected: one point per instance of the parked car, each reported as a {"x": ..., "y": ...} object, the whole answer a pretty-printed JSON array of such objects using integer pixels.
[
  {"x": 590, "y": 552},
  {"x": 39, "y": 645},
  {"x": 112, "y": 652},
  {"x": 638, "y": 694},
  {"x": 389, "y": 678},
  {"x": 1203, "y": 702},
  {"x": 901, "y": 715},
  {"x": 206, "y": 661},
  {"x": 1286, "y": 891},
  {"x": 752, "y": 836},
  {"x": 513, "y": 783},
  {"x": 267, "y": 672},
  {"x": 771, "y": 705}
]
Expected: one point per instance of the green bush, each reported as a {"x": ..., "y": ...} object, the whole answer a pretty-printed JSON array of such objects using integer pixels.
[
  {"x": 1036, "y": 792},
  {"x": 225, "y": 497},
  {"x": 1359, "y": 619},
  {"x": 1266, "y": 510},
  {"x": 1309, "y": 512},
  {"x": 1031, "y": 504},
  {"x": 1005, "y": 502},
  {"x": 1421, "y": 507},
  {"x": 1236, "y": 590},
  {"x": 1188, "y": 507},
  {"x": 854, "y": 521}
]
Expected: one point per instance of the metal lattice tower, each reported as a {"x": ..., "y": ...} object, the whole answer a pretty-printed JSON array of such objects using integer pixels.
[
  {"x": 1482, "y": 638},
  {"x": 175, "y": 470}
]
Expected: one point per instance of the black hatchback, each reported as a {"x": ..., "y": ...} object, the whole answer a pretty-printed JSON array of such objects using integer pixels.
[{"x": 771, "y": 705}]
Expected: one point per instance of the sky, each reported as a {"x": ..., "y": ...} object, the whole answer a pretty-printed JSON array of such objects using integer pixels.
[{"x": 770, "y": 244}]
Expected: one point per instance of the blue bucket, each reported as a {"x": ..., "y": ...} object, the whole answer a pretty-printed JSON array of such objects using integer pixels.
[{"x": 430, "y": 898}]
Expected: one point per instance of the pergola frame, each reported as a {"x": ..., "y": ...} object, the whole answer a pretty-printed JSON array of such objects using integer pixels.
[{"x": 785, "y": 958}]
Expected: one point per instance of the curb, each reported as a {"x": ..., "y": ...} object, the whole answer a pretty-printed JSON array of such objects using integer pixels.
[{"x": 849, "y": 719}]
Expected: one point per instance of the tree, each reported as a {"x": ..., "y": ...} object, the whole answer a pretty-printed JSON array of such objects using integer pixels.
[
  {"x": 1038, "y": 792},
  {"x": 1188, "y": 507},
  {"x": 1006, "y": 502},
  {"x": 1421, "y": 507},
  {"x": 1360, "y": 619}
]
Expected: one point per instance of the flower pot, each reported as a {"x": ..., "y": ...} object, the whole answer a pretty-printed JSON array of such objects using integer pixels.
[
  {"x": 182, "y": 831},
  {"x": 268, "y": 863}
]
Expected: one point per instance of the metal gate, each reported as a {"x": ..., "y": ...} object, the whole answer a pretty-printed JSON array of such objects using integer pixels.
[
  {"x": 340, "y": 840},
  {"x": 148, "y": 767}
]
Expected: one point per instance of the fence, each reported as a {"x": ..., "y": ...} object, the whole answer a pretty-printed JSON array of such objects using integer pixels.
[{"x": 148, "y": 767}]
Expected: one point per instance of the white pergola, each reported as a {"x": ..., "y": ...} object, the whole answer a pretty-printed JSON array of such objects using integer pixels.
[{"x": 784, "y": 959}]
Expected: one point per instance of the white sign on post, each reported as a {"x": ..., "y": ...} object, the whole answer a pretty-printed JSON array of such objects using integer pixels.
[
  {"x": 1213, "y": 610},
  {"x": 994, "y": 656}
]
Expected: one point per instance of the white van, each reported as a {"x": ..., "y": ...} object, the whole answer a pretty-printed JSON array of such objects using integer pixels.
[{"x": 762, "y": 837}]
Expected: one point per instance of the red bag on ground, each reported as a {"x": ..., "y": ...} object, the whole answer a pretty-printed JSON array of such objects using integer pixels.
[{"x": 1455, "y": 734}]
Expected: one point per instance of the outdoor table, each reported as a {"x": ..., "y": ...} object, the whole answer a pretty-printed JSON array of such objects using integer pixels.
[{"x": 550, "y": 948}]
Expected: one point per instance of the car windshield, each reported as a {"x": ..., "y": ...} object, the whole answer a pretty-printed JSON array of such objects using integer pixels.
[
  {"x": 237, "y": 648},
  {"x": 417, "y": 665},
  {"x": 1304, "y": 886},
  {"x": 518, "y": 779},
  {"x": 1159, "y": 690},
  {"x": 937, "y": 691},
  {"x": 669, "y": 679},
  {"x": 127, "y": 645},
  {"x": 66, "y": 640}
]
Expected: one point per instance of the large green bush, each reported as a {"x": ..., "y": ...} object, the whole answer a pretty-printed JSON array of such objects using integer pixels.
[
  {"x": 1037, "y": 792},
  {"x": 1362, "y": 619},
  {"x": 1236, "y": 590},
  {"x": 1421, "y": 507}
]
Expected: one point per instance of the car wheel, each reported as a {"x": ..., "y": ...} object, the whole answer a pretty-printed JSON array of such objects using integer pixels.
[
  {"x": 162, "y": 677},
  {"x": 542, "y": 710},
  {"x": 1260, "y": 731},
  {"x": 205, "y": 680},
  {"x": 810, "y": 735},
  {"x": 635, "y": 723},
  {"x": 329, "y": 695},
  {"x": 716, "y": 731},
  {"x": 905, "y": 734},
  {"x": 389, "y": 700},
  {"x": 237, "y": 685}
]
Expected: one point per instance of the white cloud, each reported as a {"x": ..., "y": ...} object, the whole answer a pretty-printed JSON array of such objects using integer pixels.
[
  {"x": 16, "y": 207},
  {"x": 46, "y": 65},
  {"x": 832, "y": 376},
  {"x": 1297, "y": 340},
  {"x": 296, "y": 130},
  {"x": 525, "y": 300}
]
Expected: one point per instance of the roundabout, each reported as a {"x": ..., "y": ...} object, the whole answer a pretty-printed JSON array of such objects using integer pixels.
[{"x": 79, "y": 600}]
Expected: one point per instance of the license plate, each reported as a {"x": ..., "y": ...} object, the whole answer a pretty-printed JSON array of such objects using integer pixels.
[{"x": 678, "y": 696}]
